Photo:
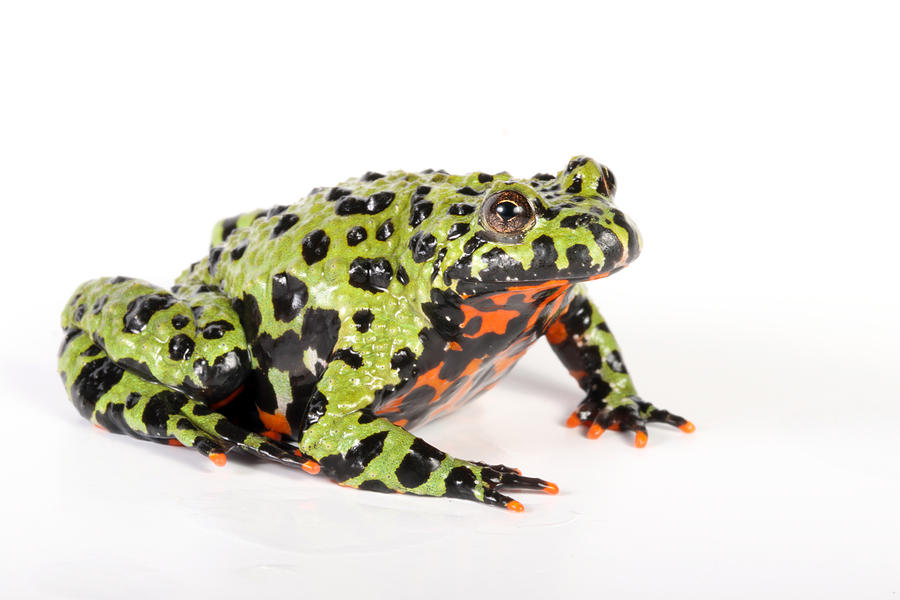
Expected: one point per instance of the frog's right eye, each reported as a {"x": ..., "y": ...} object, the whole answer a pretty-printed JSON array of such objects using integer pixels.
[{"x": 507, "y": 213}]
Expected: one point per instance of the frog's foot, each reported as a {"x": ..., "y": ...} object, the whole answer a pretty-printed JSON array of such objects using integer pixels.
[
  {"x": 121, "y": 401},
  {"x": 483, "y": 482},
  {"x": 627, "y": 414},
  {"x": 218, "y": 429}
]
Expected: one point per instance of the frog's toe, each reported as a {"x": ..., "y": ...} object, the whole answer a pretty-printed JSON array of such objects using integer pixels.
[
  {"x": 658, "y": 415},
  {"x": 500, "y": 476},
  {"x": 631, "y": 416}
]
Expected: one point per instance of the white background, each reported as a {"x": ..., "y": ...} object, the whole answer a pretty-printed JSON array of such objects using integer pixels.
[{"x": 757, "y": 149}]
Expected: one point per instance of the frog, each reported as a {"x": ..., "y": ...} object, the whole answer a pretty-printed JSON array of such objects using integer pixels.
[{"x": 319, "y": 334}]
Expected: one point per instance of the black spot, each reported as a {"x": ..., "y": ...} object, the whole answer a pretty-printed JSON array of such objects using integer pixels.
[
  {"x": 363, "y": 319},
  {"x": 402, "y": 275},
  {"x": 315, "y": 246},
  {"x": 579, "y": 258},
  {"x": 239, "y": 250},
  {"x": 403, "y": 361},
  {"x": 99, "y": 304},
  {"x": 216, "y": 329},
  {"x": 371, "y": 176},
  {"x": 615, "y": 362},
  {"x": 577, "y": 317},
  {"x": 141, "y": 309},
  {"x": 423, "y": 247},
  {"x": 336, "y": 194},
  {"x": 214, "y": 255},
  {"x": 419, "y": 212},
  {"x": 467, "y": 191},
  {"x": 545, "y": 254},
  {"x": 420, "y": 462},
  {"x": 119, "y": 279},
  {"x": 79, "y": 312},
  {"x": 349, "y": 356},
  {"x": 485, "y": 178},
  {"x": 356, "y": 235},
  {"x": 444, "y": 312},
  {"x": 247, "y": 309},
  {"x": 181, "y": 347},
  {"x": 365, "y": 417},
  {"x": 575, "y": 187},
  {"x": 132, "y": 400},
  {"x": 159, "y": 408},
  {"x": 609, "y": 244},
  {"x": 422, "y": 190},
  {"x": 436, "y": 266},
  {"x": 543, "y": 177},
  {"x": 456, "y": 230},
  {"x": 460, "y": 483},
  {"x": 228, "y": 226},
  {"x": 576, "y": 221},
  {"x": 378, "y": 202},
  {"x": 575, "y": 163},
  {"x": 460, "y": 209},
  {"x": 384, "y": 231},
  {"x": 276, "y": 210},
  {"x": 289, "y": 296},
  {"x": 371, "y": 274},
  {"x": 95, "y": 379},
  {"x": 352, "y": 464},
  {"x": 92, "y": 350},
  {"x": 284, "y": 223},
  {"x": 473, "y": 243},
  {"x": 373, "y": 485}
]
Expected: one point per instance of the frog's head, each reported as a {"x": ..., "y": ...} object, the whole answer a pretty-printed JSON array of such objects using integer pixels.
[{"x": 562, "y": 228}]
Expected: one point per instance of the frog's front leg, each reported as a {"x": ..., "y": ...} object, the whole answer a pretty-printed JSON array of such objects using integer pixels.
[
  {"x": 359, "y": 450},
  {"x": 584, "y": 344}
]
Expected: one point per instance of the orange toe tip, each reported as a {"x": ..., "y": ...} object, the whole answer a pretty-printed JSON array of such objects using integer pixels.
[
  {"x": 640, "y": 439},
  {"x": 515, "y": 506},
  {"x": 218, "y": 458},
  {"x": 573, "y": 420},
  {"x": 311, "y": 467},
  {"x": 687, "y": 427},
  {"x": 518, "y": 471},
  {"x": 551, "y": 488},
  {"x": 595, "y": 431}
]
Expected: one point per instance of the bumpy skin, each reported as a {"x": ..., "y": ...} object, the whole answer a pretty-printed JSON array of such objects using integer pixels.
[{"x": 317, "y": 334}]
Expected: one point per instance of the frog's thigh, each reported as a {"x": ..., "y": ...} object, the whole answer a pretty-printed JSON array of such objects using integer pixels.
[{"x": 190, "y": 339}]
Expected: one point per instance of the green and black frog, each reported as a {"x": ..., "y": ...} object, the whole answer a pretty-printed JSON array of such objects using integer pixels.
[{"x": 319, "y": 334}]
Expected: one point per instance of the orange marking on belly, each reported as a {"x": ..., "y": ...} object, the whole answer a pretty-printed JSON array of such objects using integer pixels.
[
  {"x": 272, "y": 435},
  {"x": 401, "y": 422},
  {"x": 276, "y": 422},
  {"x": 454, "y": 346},
  {"x": 175, "y": 443},
  {"x": 463, "y": 392},
  {"x": 494, "y": 321}
]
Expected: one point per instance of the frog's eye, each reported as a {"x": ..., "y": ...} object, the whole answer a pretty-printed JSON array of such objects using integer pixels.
[{"x": 508, "y": 213}]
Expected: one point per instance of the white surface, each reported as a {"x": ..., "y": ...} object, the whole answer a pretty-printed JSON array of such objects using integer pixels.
[{"x": 755, "y": 147}]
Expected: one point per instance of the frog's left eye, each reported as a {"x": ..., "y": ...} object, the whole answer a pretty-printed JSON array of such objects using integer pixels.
[{"x": 508, "y": 213}]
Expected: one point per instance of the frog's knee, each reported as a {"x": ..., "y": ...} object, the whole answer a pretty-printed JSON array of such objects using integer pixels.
[{"x": 221, "y": 376}]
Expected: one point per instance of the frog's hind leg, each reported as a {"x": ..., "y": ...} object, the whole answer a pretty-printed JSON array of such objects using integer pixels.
[{"x": 121, "y": 401}]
